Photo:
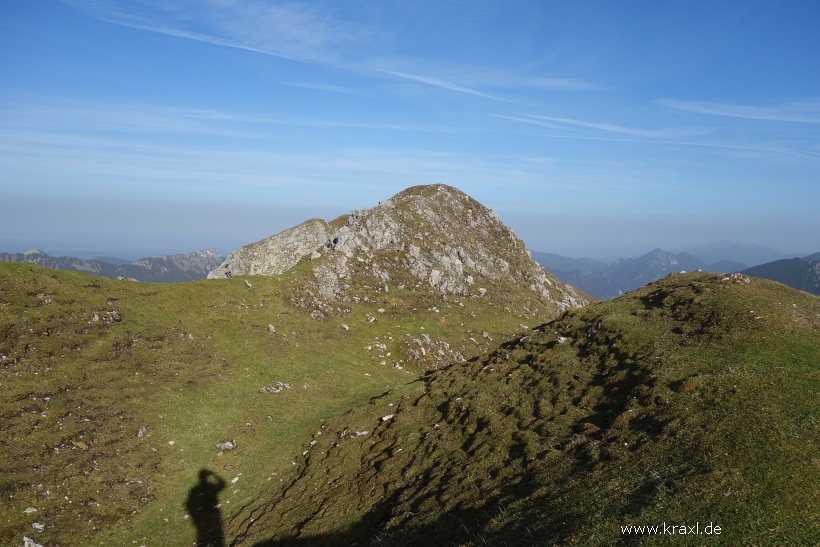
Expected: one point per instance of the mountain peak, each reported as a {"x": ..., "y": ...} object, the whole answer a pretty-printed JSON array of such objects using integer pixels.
[{"x": 432, "y": 236}]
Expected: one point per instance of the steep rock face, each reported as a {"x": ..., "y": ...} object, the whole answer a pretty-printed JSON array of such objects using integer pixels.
[
  {"x": 276, "y": 254},
  {"x": 426, "y": 237}
]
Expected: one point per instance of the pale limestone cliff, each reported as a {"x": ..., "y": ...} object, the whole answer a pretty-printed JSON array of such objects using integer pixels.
[
  {"x": 276, "y": 254},
  {"x": 426, "y": 237}
]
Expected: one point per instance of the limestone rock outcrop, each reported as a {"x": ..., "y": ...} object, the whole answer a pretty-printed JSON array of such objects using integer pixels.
[
  {"x": 427, "y": 237},
  {"x": 276, "y": 254}
]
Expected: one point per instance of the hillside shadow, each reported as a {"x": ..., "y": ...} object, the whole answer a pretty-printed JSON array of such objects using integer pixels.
[
  {"x": 500, "y": 517},
  {"x": 203, "y": 506},
  {"x": 459, "y": 526}
]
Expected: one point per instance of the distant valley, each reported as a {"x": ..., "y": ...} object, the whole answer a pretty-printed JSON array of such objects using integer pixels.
[{"x": 155, "y": 269}]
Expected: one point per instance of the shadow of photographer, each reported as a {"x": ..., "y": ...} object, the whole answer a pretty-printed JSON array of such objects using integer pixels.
[{"x": 203, "y": 506}]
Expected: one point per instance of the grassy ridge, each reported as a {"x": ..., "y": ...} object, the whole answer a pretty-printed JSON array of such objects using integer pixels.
[
  {"x": 86, "y": 363},
  {"x": 692, "y": 400}
]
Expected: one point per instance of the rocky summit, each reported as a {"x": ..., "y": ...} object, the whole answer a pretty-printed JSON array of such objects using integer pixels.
[{"x": 426, "y": 237}]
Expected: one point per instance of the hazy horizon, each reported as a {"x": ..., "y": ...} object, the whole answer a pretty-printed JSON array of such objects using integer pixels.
[
  {"x": 89, "y": 252},
  {"x": 592, "y": 129}
]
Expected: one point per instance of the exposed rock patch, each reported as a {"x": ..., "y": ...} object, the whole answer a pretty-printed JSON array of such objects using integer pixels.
[{"x": 277, "y": 387}]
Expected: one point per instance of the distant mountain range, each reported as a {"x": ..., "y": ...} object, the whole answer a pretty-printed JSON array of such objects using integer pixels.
[
  {"x": 155, "y": 269},
  {"x": 605, "y": 281},
  {"x": 743, "y": 254},
  {"x": 597, "y": 278},
  {"x": 798, "y": 273}
]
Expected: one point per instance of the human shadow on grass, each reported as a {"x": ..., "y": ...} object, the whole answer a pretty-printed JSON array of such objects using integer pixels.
[{"x": 203, "y": 506}]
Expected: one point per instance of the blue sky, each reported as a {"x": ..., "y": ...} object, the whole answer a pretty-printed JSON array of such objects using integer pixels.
[{"x": 593, "y": 128}]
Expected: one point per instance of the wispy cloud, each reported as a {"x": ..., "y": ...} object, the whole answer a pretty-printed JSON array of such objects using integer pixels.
[
  {"x": 670, "y": 137},
  {"x": 449, "y": 86},
  {"x": 480, "y": 78},
  {"x": 299, "y": 31},
  {"x": 519, "y": 77},
  {"x": 145, "y": 121},
  {"x": 330, "y": 88},
  {"x": 295, "y": 31},
  {"x": 93, "y": 165},
  {"x": 805, "y": 112},
  {"x": 553, "y": 84},
  {"x": 89, "y": 144},
  {"x": 554, "y": 122}
]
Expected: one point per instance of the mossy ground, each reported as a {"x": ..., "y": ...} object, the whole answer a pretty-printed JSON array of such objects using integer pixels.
[{"x": 186, "y": 362}]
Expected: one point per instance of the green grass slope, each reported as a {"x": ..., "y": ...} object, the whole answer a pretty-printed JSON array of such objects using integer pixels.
[
  {"x": 692, "y": 401},
  {"x": 114, "y": 393}
]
